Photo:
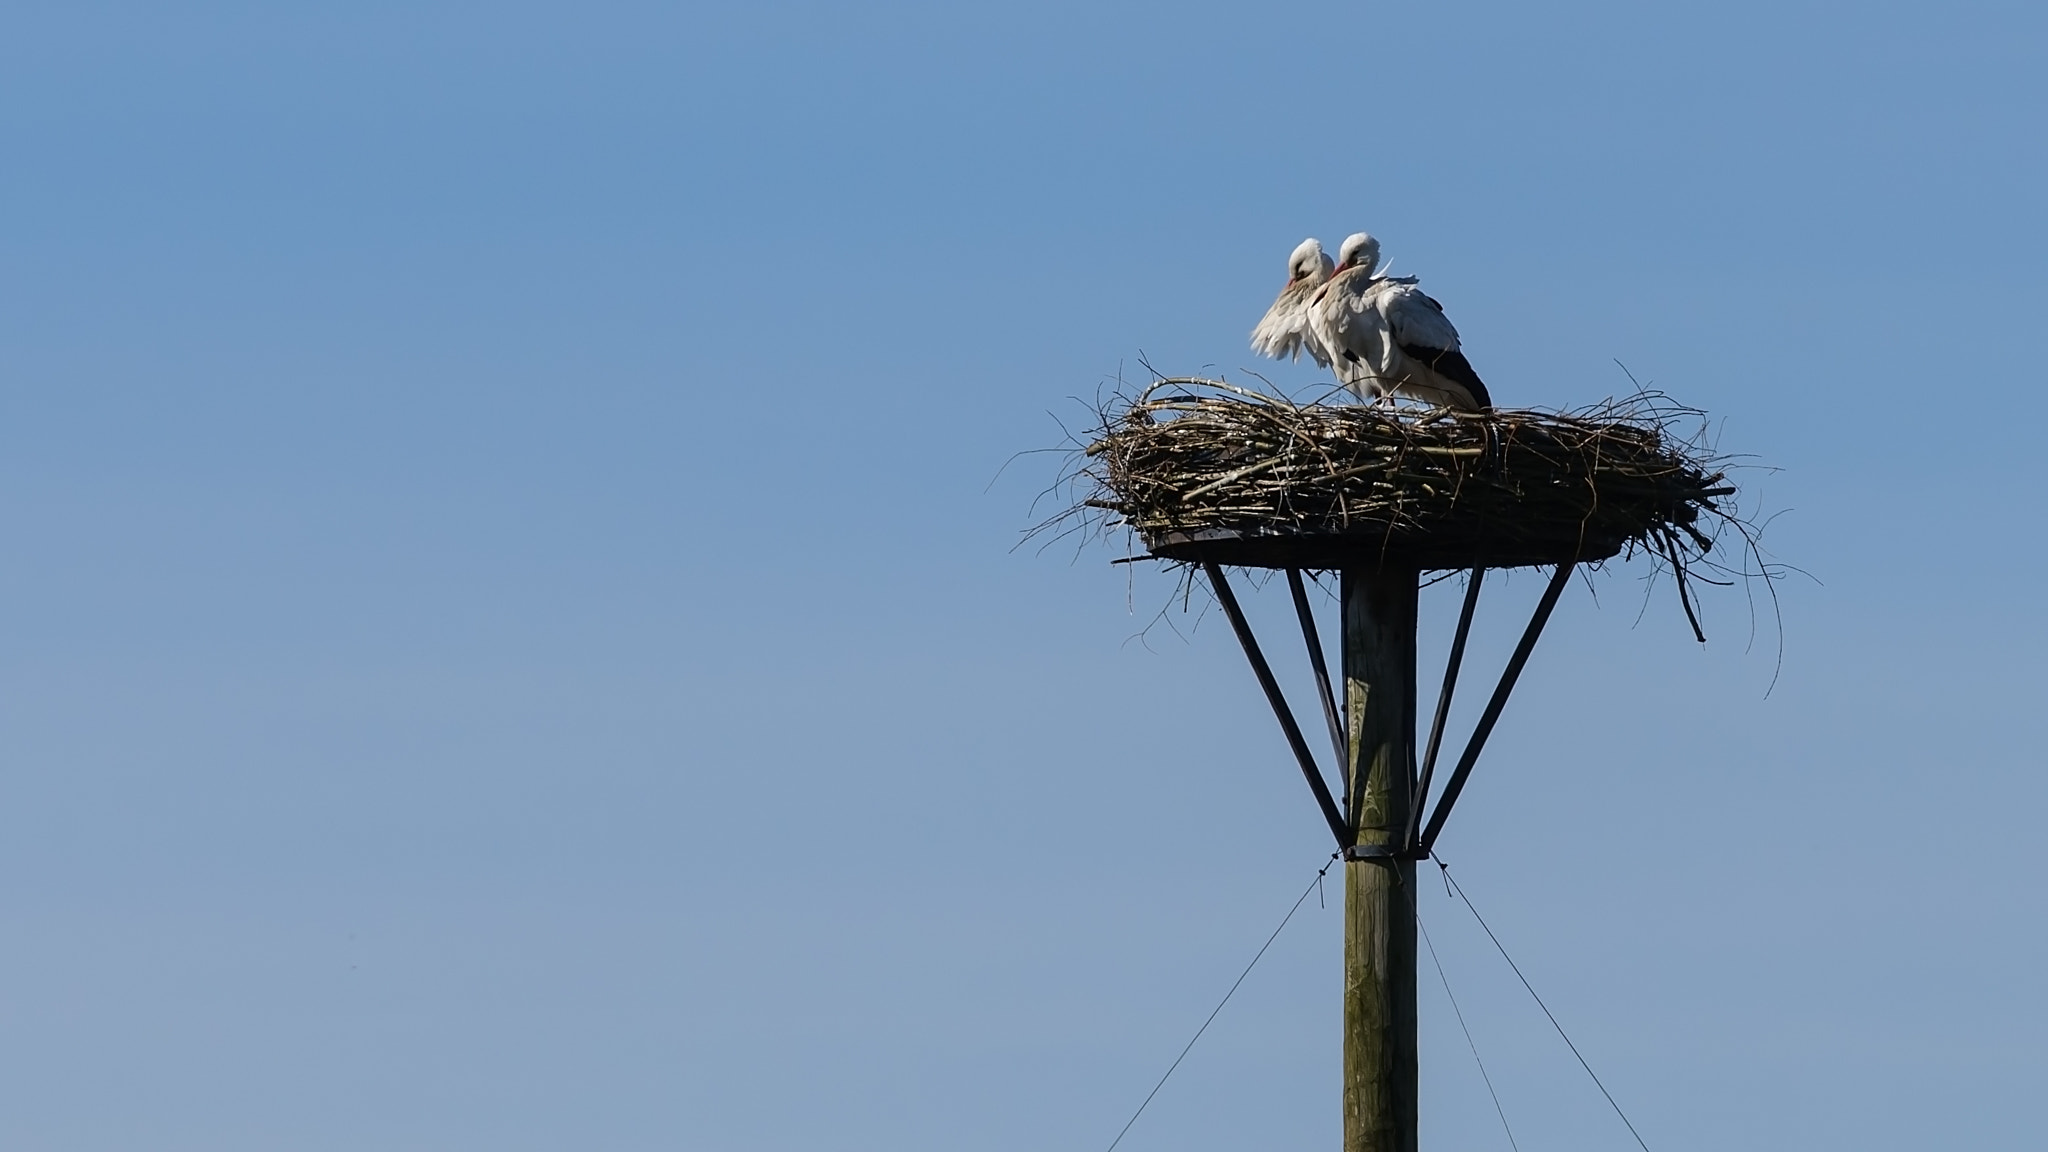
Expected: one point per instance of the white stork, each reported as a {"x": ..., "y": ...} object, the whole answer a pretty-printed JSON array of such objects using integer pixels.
[
  {"x": 1383, "y": 334},
  {"x": 1283, "y": 332}
]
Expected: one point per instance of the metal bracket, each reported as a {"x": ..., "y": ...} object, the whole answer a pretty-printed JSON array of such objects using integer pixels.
[{"x": 1381, "y": 852}]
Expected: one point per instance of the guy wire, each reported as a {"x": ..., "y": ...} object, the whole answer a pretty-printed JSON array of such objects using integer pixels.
[
  {"x": 1298, "y": 902},
  {"x": 1469, "y": 1042},
  {"x": 1456, "y": 887}
]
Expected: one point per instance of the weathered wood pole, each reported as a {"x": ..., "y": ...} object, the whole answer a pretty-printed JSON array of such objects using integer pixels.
[{"x": 1380, "y": 1075}]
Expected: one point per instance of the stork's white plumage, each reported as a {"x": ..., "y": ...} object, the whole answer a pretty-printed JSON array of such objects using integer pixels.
[
  {"x": 1383, "y": 334},
  {"x": 1283, "y": 332}
]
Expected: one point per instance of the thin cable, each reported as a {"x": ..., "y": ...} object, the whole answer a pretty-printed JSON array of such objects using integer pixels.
[
  {"x": 1460, "y": 1012},
  {"x": 1469, "y": 1042},
  {"x": 1459, "y": 889},
  {"x": 1313, "y": 885}
]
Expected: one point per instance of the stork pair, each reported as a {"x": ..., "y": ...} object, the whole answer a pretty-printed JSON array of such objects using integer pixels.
[{"x": 1381, "y": 334}]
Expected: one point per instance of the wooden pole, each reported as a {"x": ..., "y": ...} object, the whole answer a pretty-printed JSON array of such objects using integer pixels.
[{"x": 1380, "y": 1075}]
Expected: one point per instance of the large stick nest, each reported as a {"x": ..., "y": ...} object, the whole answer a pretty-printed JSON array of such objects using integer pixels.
[{"x": 1205, "y": 471}]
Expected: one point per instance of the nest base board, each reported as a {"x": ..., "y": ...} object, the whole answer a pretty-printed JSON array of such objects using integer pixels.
[{"x": 1372, "y": 547}]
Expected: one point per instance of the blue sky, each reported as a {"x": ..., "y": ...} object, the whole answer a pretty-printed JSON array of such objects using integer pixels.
[{"x": 511, "y": 641}]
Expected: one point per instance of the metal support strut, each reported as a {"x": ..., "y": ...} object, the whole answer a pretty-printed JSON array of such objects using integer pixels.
[
  {"x": 1281, "y": 711},
  {"x": 1487, "y": 719},
  {"x": 1443, "y": 706},
  {"x": 1322, "y": 670},
  {"x": 1411, "y": 843}
]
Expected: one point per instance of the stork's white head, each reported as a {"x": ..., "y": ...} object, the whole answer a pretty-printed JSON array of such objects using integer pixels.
[
  {"x": 1280, "y": 333},
  {"x": 1307, "y": 262},
  {"x": 1359, "y": 250}
]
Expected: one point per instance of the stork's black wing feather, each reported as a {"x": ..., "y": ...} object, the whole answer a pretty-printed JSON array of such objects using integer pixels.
[{"x": 1452, "y": 365}]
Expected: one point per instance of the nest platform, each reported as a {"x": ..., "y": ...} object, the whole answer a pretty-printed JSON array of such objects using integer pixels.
[{"x": 1205, "y": 472}]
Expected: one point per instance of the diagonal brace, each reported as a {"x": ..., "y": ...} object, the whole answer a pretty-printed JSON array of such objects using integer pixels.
[
  {"x": 1484, "y": 728},
  {"x": 1443, "y": 706},
  {"x": 1321, "y": 667},
  {"x": 1284, "y": 714}
]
